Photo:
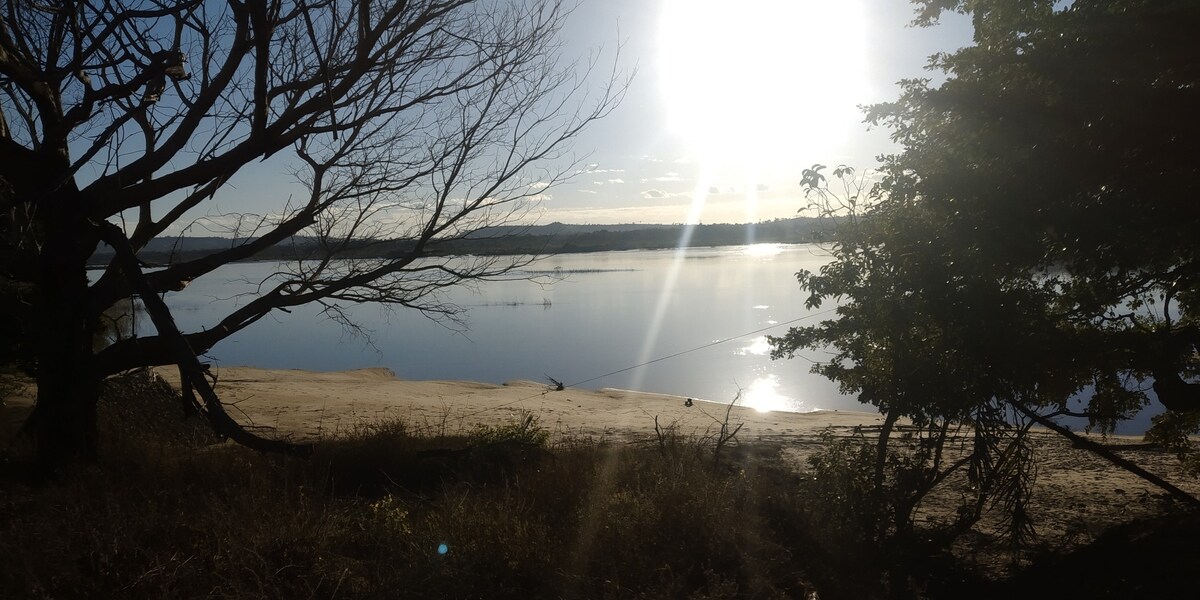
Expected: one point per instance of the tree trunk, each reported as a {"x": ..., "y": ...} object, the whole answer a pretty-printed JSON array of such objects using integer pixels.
[
  {"x": 63, "y": 422},
  {"x": 879, "y": 475}
]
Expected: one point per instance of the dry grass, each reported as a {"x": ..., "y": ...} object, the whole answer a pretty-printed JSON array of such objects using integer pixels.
[
  {"x": 367, "y": 516},
  {"x": 494, "y": 511},
  {"x": 378, "y": 512}
]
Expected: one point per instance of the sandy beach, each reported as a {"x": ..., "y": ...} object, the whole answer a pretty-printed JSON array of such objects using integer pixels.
[
  {"x": 309, "y": 405},
  {"x": 1077, "y": 494}
]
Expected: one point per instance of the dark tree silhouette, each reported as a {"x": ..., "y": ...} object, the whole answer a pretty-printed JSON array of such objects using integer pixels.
[
  {"x": 418, "y": 120},
  {"x": 1030, "y": 253}
]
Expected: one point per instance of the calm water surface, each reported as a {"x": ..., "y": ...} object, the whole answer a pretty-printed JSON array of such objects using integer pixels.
[
  {"x": 610, "y": 312},
  {"x": 697, "y": 321}
]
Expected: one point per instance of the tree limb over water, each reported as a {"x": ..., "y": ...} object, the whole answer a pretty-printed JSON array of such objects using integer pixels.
[{"x": 418, "y": 120}]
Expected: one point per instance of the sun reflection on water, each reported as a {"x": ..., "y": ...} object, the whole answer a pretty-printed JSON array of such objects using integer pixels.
[
  {"x": 763, "y": 395},
  {"x": 762, "y": 250},
  {"x": 759, "y": 346}
]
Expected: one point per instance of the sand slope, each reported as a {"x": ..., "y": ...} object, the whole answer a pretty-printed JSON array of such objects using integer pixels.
[
  {"x": 307, "y": 404},
  {"x": 1077, "y": 494}
]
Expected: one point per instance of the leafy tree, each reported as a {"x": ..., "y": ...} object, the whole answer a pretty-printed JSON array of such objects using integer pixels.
[
  {"x": 420, "y": 120},
  {"x": 1030, "y": 252}
]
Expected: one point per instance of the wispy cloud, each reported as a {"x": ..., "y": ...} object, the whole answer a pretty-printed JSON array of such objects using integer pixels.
[
  {"x": 657, "y": 194},
  {"x": 670, "y": 177},
  {"x": 716, "y": 191},
  {"x": 594, "y": 168}
]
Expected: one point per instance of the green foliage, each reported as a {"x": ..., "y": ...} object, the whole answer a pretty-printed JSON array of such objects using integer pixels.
[
  {"x": 844, "y": 487},
  {"x": 1172, "y": 431},
  {"x": 1032, "y": 243},
  {"x": 870, "y": 491},
  {"x": 526, "y": 431}
]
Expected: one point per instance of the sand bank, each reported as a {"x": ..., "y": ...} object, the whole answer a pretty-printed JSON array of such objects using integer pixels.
[
  {"x": 1076, "y": 494},
  {"x": 307, "y": 404}
]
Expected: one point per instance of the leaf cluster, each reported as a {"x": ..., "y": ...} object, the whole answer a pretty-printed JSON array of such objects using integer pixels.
[
  {"x": 1029, "y": 252},
  {"x": 1031, "y": 243}
]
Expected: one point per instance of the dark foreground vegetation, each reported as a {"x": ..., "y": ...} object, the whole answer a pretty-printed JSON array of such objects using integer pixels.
[
  {"x": 1028, "y": 254},
  {"x": 494, "y": 512}
]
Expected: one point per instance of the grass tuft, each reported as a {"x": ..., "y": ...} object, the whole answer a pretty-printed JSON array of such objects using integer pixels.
[{"x": 498, "y": 511}]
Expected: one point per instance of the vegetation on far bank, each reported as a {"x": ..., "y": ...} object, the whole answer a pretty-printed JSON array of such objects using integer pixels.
[{"x": 553, "y": 238}]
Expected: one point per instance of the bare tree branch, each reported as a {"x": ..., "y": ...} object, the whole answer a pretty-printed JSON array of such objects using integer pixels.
[{"x": 416, "y": 122}]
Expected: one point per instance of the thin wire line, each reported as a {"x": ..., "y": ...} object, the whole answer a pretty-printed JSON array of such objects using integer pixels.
[{"x": 708, "y": 345}]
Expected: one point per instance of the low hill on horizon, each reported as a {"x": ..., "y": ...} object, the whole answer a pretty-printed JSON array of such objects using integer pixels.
[{"x": 551, "y": 238}]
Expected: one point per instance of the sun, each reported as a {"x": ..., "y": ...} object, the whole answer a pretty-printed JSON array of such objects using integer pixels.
[{"x": 752, "y": 83}]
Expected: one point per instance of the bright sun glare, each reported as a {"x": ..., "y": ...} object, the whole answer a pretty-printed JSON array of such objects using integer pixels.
[
  {"x": 762, "y": 250},
  {"x": 756, "y": 82},
  {"x": 763, "y": 395}
]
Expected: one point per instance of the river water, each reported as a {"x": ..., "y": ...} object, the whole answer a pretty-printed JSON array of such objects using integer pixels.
[
  {"x": 690, "y": 322},
  {"x": 695, "y": 320}
]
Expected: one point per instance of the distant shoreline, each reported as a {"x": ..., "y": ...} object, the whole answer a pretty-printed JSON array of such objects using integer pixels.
[{"x": 554, "y": 238}]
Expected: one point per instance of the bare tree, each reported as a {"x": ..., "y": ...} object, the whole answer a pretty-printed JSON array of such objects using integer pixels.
[{"x": 418, "y": 120}]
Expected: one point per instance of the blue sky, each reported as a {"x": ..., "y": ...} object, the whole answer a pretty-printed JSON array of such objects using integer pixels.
[{"x": 731, "y": 100}]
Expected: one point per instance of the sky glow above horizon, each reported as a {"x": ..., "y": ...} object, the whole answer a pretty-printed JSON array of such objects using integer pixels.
[
  {"x": 730, "y": 102},
  {"x": 744, "y": 108},
  {"x": 733, "y": 100},
  {"x": 747, "y": 102}
]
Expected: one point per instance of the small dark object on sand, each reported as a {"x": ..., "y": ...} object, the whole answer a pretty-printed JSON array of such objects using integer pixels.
[
  {"x": 688, "y": 402},
  {"x": 558, "y": 385}
]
